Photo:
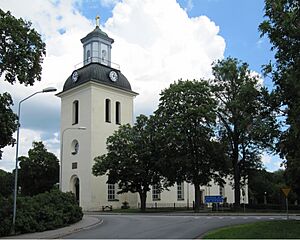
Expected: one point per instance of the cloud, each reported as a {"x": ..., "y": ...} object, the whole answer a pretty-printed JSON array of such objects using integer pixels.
[
  {"x": 272, "y": 163},
  {"x": 266, "y": 159},
  {"x": 156, "y": 43},
  {"x": 259, "y": 77}
]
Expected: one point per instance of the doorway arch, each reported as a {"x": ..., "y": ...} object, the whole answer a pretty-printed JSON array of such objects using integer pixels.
[{"x": 75, "y": 187}]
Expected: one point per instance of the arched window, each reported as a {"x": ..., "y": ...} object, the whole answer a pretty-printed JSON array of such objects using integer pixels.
[
  {"x": 88, "y": 56},
  {"x": 74, "y": 147},
  {"x": 107, "y": 110},
  {"x": 118, "y": 113},
  {"x": 75, "y": 112}
]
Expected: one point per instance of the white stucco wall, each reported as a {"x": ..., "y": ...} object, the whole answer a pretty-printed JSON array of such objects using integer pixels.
[{"x": 92, "y": 141}]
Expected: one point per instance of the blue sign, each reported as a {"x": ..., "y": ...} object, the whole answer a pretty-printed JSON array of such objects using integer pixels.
[{"x": 214, "y": 199}]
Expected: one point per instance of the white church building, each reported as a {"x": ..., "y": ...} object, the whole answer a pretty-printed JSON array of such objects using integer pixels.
[{"x": 96, "y": 99}]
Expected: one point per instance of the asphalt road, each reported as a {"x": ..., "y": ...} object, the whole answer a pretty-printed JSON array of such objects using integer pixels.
[{"x": 160, "y": 226}]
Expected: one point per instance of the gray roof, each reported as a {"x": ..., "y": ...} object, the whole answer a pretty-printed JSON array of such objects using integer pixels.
[
  {"x": 97, "y": 32},
  {"x": 98, "y": 73}
]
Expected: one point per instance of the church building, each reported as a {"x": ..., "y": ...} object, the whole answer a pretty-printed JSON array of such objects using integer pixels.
[{"x": 96, "y": 99}]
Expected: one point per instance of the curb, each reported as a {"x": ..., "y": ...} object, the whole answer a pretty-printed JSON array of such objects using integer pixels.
[{"x": 77, "y": 230}]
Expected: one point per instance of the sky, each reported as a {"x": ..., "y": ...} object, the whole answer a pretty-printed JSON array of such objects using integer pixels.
[{"x": 156, "y": 43}]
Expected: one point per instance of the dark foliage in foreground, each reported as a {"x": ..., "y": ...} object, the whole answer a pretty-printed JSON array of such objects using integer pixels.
[{"x": 42, "y": 212}]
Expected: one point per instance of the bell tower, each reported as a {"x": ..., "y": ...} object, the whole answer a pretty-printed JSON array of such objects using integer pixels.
[
  {"x": 97, "y": 46},
  {"x": 96, "y": 99}
]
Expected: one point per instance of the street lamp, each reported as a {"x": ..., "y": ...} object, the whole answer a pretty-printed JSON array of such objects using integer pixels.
[
  {"x": 45, "y": 90},
  {"x": 61, "y": 150}
]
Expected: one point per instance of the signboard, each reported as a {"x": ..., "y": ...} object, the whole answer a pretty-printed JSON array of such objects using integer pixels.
[
  {"x": 286, "y": 191},
  {"x": 214, "y": 199}
]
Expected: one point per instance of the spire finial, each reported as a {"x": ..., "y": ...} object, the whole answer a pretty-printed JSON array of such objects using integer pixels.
[{"x": 97, "y": 21}]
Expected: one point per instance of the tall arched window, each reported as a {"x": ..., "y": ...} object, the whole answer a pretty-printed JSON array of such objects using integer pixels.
[
  {"x": 75, "y": 112},
  {"x": 118, "y": 113},
  {"x": 107, "y": 111},
  {"x": 88, "y": 56}
]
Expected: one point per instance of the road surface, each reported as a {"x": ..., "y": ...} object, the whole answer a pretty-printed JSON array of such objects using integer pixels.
[{"x": 161, "y": 226}]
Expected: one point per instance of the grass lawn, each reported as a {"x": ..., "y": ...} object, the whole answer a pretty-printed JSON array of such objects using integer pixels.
[{"x": 272, "y": 229}]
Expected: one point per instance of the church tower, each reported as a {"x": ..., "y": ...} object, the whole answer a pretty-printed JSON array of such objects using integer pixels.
[{"x": 96, "y": 99}]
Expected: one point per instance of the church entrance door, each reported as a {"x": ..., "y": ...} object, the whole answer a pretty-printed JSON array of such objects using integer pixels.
[{"x": 76, "y": 185}]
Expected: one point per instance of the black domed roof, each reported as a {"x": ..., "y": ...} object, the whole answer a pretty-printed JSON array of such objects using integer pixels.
[
  {"x": 98, "y": 73},
  {"x": 97, "y": 32}
]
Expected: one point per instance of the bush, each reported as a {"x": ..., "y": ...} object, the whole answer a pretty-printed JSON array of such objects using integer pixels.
[
  {"x": 42, "y": 212},
  {"x": 125, "y": 205}
]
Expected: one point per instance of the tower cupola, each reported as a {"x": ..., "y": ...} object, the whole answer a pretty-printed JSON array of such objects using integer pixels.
[{"x": 97, "y": 46}]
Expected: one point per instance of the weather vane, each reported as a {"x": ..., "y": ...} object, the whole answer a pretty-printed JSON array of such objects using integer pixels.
[{"x": 97, "y": 21}]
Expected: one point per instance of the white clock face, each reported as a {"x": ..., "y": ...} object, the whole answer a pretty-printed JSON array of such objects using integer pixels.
[
  {"x": 113, "y": 76},
  {"x": 75, "y": 76}
]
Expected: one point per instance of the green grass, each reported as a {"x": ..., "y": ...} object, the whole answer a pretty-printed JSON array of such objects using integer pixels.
[{"x": 258, "y": 230}]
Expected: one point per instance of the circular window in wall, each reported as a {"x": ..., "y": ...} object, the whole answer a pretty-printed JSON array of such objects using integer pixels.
[{"x": 74, "y": 147}]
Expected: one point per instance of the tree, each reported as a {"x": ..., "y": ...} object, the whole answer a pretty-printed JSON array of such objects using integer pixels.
[
  {"x": 21, "y": 56},
  {"x": 266, "y": 184},
  {"x": 8, "y": 121},
  {"x": 6, "y": 183},
  {"x": 247, "y": 121},
  {"x": 131, "y": 159},
  {"x": 185, "y": 134},
  {"x": 282, "y": 26},
  {"x": 21, "y": 50},
  {"x": 39, "y": 171}
]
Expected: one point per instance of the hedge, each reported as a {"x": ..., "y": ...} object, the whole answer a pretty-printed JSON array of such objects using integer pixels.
[{"x": 42, "y": 212}]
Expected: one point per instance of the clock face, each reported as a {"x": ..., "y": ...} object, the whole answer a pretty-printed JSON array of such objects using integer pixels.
[
  {"x": 113, "y": 76},
  {"x": 75, "y": 76}
]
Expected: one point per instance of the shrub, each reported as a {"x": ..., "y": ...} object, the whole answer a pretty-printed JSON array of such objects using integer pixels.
[
  {"x": 42, "y": 212},
  {"x": 125, "y": 205}
]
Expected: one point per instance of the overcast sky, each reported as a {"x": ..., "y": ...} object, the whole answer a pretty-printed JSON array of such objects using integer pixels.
[{"x": 156, "y": 43}]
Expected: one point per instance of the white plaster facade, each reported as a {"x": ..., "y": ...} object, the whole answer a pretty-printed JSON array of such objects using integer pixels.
[{"x": 76, "y": 169}]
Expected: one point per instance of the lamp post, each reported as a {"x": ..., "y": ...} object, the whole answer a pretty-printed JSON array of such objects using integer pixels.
[
  {"x": 61, "y": 151},
  {"x": 45, "y": 90}
]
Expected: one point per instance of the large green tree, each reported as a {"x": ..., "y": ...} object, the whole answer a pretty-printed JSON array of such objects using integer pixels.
[
  {"x": 21, "y": 55},
  {"x": 8, "y": 121},
  {"x": 282, "y": 26},
  {"x": 39, "y": 172},
  {"x": 21, "y": 50},
  {"x": 263, "y": 184},
  {"x": 246, "y": 118},
  {"x": 131, "y": 160},
  {"x": 185, "y": 121}
]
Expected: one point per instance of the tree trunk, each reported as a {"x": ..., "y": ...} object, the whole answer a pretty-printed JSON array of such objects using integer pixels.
[
  {"x": 197, "y": 197},
  {"x": 143, "y": 197},
  {"x": 237, "y": 189}
]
